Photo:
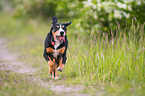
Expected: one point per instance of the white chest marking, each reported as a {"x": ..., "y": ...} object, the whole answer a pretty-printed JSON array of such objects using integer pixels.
[{"x": 56, "y": 52}]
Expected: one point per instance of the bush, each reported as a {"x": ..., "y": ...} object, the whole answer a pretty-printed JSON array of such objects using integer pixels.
[
  {"x": 138, "y": 11},
  {"x": 104, "y": 15},
  {"x": 35, "y": 8},
  {"x": 90, "y": 15},
  {"x": 69, "y": 8}
]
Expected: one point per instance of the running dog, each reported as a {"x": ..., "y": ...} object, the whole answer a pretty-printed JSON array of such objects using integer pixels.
[{"x": 56, "y": 44}]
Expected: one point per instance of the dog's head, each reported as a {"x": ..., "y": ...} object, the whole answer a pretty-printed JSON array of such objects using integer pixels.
[{"x": 59, "y": 30}]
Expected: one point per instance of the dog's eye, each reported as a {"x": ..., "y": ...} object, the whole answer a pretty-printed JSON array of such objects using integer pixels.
[
  {"x": 63, "y": 28},
  {"x": 57, "y": 27}
]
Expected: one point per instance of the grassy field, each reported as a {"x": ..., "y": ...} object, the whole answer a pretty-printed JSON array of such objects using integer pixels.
[
  {"x": 115, "y": 65},
  {"x": 13, "y": 84}
]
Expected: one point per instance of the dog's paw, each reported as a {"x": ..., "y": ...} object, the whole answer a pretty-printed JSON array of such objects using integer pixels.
[
  {"x": 59, "y": 69},
  {"x": 53, "y": 77},
  {"x": 57, "y": 77}
]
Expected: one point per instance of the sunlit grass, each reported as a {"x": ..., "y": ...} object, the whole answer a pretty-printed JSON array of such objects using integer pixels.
[{"x": 12, "y": 84}]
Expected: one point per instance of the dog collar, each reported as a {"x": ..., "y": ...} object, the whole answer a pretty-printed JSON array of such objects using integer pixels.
[{"x": 52, "y": 43}]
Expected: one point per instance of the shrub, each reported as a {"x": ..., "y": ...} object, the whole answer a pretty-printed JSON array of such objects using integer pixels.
[
  {"x": 69, "y": 8},
  {"x": 104, "y": 15},
  {"x": 90, "y": 15},
  {"x": 35, "y": 8}
]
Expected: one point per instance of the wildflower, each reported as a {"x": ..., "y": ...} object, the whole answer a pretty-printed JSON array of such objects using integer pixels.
[
  {"x": 32, "y": 51},
  {"x": 129, "y": 8},
  {"x": 120, "y": 5},
  {"x": 127, "y": 15},
  {"x": 138, "y": 2},
  {"x": 135, "y": 19},
  {"x": 38, "y": 47},
  {"x": 117, "y": 14}
]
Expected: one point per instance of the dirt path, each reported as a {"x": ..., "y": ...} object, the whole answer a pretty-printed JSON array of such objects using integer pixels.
[{"x": 8, "y": 61}]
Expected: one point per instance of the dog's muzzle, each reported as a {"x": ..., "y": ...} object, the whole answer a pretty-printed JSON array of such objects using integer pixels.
[
  {"x": 61, "y": 33},
  {"x": 60, "y": 38}
]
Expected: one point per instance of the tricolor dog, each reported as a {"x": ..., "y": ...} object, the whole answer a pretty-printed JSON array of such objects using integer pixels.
[{"x": 56, "y": 44}]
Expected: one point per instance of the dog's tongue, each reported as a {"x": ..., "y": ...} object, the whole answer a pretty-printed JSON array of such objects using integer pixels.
[{"x": 62, "y": 38}]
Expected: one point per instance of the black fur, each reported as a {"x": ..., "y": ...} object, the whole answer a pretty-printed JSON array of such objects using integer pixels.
[
  {"x": 47, "y": 44},
  {"x": 50, "y": 38}
]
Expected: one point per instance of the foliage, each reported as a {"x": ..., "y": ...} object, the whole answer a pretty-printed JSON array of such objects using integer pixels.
[
  {"x": 71, "y": 8},
  {"x": 89, "y": 15},
  {"x": 138, "y": 11},
  {"x": 104, "y": 15},
  {"x": 35, "y": 8}
]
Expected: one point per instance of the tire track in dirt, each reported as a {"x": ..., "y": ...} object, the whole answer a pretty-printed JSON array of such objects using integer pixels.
[{"x": 8, "y": 61}]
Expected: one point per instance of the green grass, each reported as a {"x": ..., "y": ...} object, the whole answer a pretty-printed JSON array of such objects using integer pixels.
[
  {"x": 12, "y": 84},
  {"x": 117, "y": 64}
]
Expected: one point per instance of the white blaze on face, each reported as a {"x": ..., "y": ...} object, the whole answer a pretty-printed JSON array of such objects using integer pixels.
[{"x": 61, "y": 30}]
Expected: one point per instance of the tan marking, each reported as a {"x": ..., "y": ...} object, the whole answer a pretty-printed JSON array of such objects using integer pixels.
[
  {"x": 54, "y": 34},
  {"x": 49, "y": 50},
  {"x": 62, "y": 26},
  {"x": 57, "y": 26},
  {"x": 51, "y": 66},
  {"x": 61, "y": 66},
  {"x": 62, "y": 50}
]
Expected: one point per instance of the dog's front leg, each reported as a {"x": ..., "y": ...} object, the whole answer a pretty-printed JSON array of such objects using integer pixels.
[
  {"x": 51, "y": 66},
  {"x": 49, "y": 50},
  {"x": 61, "y": 66},
  {"x": 54, "y": 73}
]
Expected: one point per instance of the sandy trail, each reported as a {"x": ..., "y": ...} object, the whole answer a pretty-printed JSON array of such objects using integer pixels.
[{"x": 9, "y": 61}]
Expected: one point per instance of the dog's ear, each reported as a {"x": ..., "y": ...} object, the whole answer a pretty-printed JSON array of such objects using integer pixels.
[
  {"x": 66, "y": 24},
  {"x": 54, "y": 20}
]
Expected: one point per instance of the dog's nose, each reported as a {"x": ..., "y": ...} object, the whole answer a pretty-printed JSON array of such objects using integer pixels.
[{"x": 61, "y": 33}]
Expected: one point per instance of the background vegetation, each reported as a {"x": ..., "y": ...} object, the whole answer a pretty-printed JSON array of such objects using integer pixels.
[
  {"x": 90, "y": 15},
  {"x": 106, "y": 40}
]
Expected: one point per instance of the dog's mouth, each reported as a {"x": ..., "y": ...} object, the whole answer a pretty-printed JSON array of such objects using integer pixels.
[{"x": 60, "y": 38}]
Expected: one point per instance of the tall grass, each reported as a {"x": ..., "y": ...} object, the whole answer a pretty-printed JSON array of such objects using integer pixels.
[
  {"x": 105, "y": 60},
  {"x": 113, "y": 63}
]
